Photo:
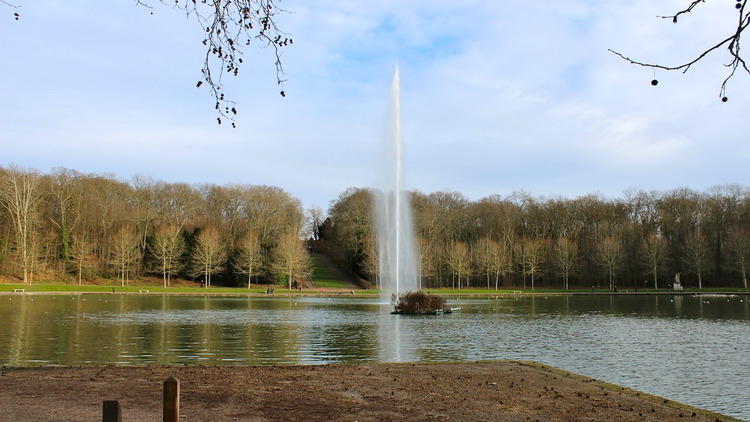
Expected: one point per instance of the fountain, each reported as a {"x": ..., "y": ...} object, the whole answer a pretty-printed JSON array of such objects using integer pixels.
[{"x": 397, "y": 252}]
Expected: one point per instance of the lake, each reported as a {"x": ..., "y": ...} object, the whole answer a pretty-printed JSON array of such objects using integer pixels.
[{"x": 686, "y": 348}]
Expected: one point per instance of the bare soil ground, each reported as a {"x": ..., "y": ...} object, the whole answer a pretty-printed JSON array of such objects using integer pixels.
[{"x": 494, "y": 391}]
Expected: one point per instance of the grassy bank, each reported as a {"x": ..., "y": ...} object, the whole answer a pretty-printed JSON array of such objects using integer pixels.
[
  {"x": 133, "y": 288},
  {"x": 471, "y": 291},
  {"x": 333, "y": 288}
]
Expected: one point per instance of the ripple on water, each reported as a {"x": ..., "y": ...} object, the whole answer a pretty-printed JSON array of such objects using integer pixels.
[{"x": 682, "y": 348}]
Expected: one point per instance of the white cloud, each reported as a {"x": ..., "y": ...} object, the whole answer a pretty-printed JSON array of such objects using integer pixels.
[{"x": 498, "y": 96}]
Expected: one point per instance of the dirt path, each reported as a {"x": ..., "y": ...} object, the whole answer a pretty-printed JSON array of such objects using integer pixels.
[{"x": 497, "y": 391}]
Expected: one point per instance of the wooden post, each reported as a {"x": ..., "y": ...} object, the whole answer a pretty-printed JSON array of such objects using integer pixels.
[
  {"x": 171, "y": 400},
  {"x": 111, "y": 411}
]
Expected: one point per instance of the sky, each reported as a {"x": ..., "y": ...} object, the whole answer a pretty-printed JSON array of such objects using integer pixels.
[{"x": 497, "y": 97}]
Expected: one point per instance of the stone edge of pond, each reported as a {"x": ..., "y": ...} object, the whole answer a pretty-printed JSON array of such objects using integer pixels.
[{"x": 640, "y": 395}]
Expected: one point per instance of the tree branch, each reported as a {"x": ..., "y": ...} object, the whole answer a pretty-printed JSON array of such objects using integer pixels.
[
  {"x": 688, "y": 10},
  {"x": 228, "y": 26},
  {"x": 732, "y": 43}
]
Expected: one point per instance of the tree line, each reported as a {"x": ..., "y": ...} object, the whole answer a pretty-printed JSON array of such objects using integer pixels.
[
  {"x": 84, "y": 227},
  {"x": 640, "y": 240},
  {"x": 80, "y": 227}
]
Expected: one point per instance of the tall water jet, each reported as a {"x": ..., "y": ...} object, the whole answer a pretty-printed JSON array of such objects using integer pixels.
[{"x": 397, "y": 251}]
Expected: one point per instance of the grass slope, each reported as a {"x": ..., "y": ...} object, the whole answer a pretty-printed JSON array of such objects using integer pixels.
[{"x": 325, "y": 276}]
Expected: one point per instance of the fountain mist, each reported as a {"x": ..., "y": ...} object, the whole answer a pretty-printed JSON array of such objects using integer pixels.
[{"x": 397, "y": 252}]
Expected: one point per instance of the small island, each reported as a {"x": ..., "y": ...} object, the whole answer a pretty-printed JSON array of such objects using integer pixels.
[{"x": 420, "y": 303}]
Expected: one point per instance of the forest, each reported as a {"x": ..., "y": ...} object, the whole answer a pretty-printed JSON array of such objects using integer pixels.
[
  {"x": 78, "y": 227},
  {"x": 640, "y": 240}
]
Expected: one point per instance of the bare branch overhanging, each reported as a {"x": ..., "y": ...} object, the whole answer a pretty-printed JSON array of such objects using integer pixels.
[
  {"x": 228, "y": 26},
  {"x": 732, "y": 43}
]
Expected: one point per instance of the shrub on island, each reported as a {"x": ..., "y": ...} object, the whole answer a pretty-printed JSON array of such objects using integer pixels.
[{"x": 419, "y": 303}]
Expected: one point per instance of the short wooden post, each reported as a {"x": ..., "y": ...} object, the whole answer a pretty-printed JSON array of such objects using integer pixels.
[
  {"x": 111, "y": 411},
  {"x": 171, "y": 400}
]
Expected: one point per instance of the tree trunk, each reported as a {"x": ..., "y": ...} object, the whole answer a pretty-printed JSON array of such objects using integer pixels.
[
  {"x": 249, "y": 276},
  {"x": 656, "y": 284},
  {"x": 497, "y": 276},
  {"x": 700, "y": 280},
  {"x": 532, "y": 281},
  {"x": 744, "y": 274}
]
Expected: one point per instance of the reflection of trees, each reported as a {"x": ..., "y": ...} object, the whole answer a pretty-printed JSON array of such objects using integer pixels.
[{"x": 66, "y": 330}]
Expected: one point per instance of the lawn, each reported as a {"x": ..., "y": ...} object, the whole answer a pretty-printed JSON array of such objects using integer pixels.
[
  {"x": 563, "y": 291},
  {"x": 133, "y": 288},
  {"x": 324, "y": 276}
]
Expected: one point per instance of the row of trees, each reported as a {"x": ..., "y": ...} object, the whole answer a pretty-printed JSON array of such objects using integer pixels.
[
  {"x": 68, "y": 224},
  {"x": 639, "y": 240}
]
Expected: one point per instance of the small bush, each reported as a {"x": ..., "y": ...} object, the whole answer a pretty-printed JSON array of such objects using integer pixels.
[{"x": 419, "y": 303}]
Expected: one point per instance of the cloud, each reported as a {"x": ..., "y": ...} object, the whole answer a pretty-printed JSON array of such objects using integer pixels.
[{"x": 497, "y": 97}]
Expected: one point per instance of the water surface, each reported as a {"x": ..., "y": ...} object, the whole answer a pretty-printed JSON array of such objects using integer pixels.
[{"x": 689, "y": 349}]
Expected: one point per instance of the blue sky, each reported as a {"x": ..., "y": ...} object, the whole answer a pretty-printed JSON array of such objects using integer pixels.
[{"x": 497, "y": 97}]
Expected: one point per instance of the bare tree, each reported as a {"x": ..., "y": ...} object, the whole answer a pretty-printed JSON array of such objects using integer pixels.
[
  {"x": 532, "y": 254},
  {"x": 208, "y": 255},
  {"x": 731, "y": 42},
  {"x": 459, "y": 260},
  {"x": 566, "y": 254},
  {"x": 62, "y": 185},
  {"x": 124, "y": 251},
  {"x": 249, "y": 255},
  {"x": 484, "y": 257},
  {"x": 372, "y": 261},
  {"x": 292, "y": 260},
  {"x": 739, "y": 242},
  {"x": 81, "y": 250},
  {"x": 653, "y": 250},
  {"x": 696, "y": 253},
  {"x": 167, "y": 248},
  {"x": 314, "y": 221},
  {"x": 609, "y": 255},
  {"x": 502, "y": 260},
  {"x": 19, "y": 195}
]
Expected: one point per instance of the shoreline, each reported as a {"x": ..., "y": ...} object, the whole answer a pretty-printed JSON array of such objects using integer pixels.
[
  {"x": 483, "y": 390},
  {"x": 331, "y": 293}
]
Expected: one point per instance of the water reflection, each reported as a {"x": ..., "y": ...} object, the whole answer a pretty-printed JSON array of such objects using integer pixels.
[{"x": 687, "y": 348}]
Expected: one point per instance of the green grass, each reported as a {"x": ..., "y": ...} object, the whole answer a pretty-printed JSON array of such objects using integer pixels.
[
  {"x": 325, "y": 279},
  {"x": 133, "y": 288},
  {"x": 443, "y": 291},
  {"x": 323, "y": 276}
]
